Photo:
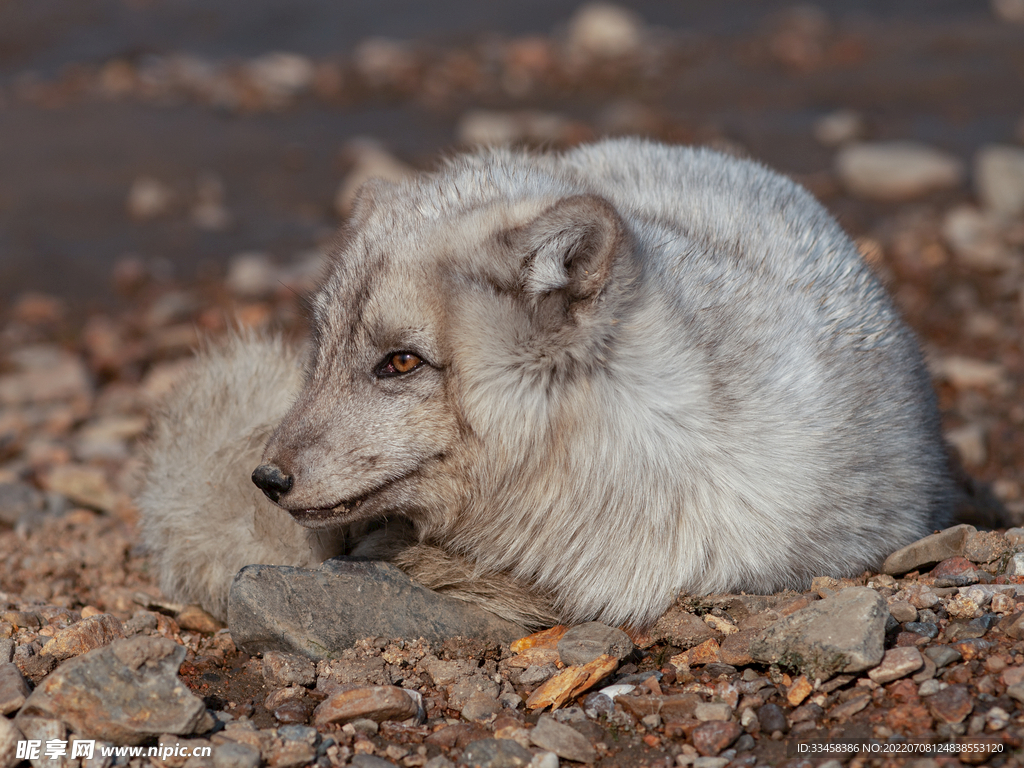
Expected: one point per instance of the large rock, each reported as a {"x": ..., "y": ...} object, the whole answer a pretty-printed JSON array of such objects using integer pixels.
[
  {"x": 845, "y": 633},
  {"x": 896, "y": 170},
  {"x": 319, "y": 613},
  {"x": 125, "y": 693},
  {"x": 928, "y": 551}
]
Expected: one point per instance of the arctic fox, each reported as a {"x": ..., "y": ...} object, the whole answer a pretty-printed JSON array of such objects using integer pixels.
[{"x": 573, "y": 386}]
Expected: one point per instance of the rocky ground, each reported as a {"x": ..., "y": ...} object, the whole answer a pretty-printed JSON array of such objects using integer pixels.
[{"x": 929, "y": 651}]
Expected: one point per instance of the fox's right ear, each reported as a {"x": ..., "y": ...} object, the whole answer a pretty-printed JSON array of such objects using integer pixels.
[
  {"x": 573, "y": 246},
  {"x": 367, "y": 196}
]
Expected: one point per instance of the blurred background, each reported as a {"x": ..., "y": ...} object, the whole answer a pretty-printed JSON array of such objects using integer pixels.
[{"x": 168, "y": 164}]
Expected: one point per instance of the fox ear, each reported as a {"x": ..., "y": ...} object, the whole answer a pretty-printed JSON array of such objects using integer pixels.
[
  {"x": 365, "y": 199},
  {"x": 573, "y": 245}
]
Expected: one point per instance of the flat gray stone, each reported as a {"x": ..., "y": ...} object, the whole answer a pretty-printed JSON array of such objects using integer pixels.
[
  {"x": 234, "y": 754},
  {"x": 563, "y": 740},
  {"x": 318, "y": 613},
  {"x": 897, "y": 663},
  {"x": 942, "y": 655},
  {"x": 13, "y": 688},
  {"x": 586, "y": 642},
  {"x": 844, "y": 633},
  {"x": 126, "y": 693},
  {"x": 928, "y": 551},
  {"x": 495, "y": 753}
]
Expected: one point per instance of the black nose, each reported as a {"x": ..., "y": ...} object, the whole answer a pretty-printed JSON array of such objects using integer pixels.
[{"x": 272, "y": 481}]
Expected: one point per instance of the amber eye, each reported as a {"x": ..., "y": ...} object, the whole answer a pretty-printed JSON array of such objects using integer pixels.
[{"x": 398, "y": 363}]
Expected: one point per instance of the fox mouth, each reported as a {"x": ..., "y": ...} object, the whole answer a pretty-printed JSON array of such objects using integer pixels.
[
  {"x": 340, "y": 512},
  {"x": 347, "y": 510}
]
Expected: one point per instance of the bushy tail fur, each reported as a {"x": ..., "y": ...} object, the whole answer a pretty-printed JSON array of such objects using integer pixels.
[{"x": 203, "y": 519}]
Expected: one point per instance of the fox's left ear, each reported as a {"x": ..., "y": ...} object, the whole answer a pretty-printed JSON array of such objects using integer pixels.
[{"x": 573, "y": 245}]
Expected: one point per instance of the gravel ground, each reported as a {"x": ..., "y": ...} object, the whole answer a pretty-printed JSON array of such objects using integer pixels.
[{"x": 932, "y": 650}]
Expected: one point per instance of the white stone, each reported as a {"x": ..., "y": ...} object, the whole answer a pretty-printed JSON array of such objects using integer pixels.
[
  {"x": 897, "y": 170},
  {"x": 620, "y": 689},
  {"x": 281, "y": 75},
  {"x": 251, "y": 276},
  {"x": 604, "y": 30},
  {"x": 381, "y": 61},
  {"x": 495, "y": 128},
  {"x": 544, "y": 760},
  {"x": 969, "y": 442},
  {"x": 974, "y": 238},
  {"x": 965, "y": 372},
  {"x": 148, "y": 198},
  {"x": 840, "y": 127},
  {"x": 999, "y": 177},
  {"x": 1016, "y": 565}
]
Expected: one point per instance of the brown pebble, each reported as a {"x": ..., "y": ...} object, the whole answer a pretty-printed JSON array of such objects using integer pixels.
[
  {"x": 84, "y": 636},
  {"x": 195, "y": 619},
  {"x": 547, "y": 638},
  {"x": 283, "y": 695},
  {"x": 294, "y": 712},
  {"x": 379, "y": 703},
  {"x": 735, "y": 648},
  {"x": 972, "y": 648},
  {"x": 713, "y": 737},
  {"x": 952, "y": 704},
  {"x": 572, "y": 681},
  {"x": 707, "y": 652},
  {"x": 953, "y": 566},
  {"x": 457, "y": 736},
  {"x": 799, "y": 691}
]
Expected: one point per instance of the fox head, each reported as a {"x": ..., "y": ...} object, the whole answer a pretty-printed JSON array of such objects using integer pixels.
[{"x": 440, "y": 327}]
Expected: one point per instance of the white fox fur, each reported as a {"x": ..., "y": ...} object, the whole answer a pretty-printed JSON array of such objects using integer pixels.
[{"x": 633, "y": 369}]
